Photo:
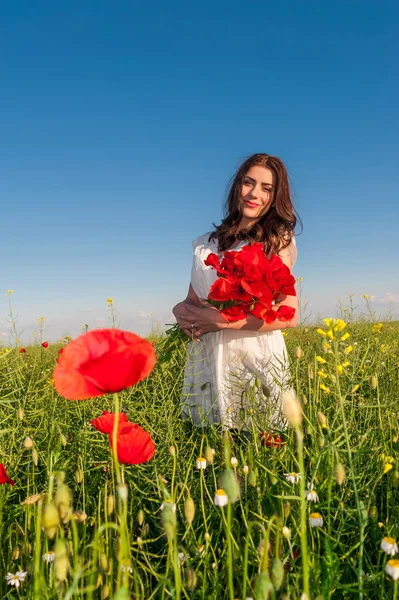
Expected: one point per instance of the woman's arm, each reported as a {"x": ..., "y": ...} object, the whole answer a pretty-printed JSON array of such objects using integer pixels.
[{"x": 179, "y": 311}]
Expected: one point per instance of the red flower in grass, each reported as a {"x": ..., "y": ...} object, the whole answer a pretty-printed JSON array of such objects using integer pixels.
[
  {"x": 4, "y": 478},
  {"x": 105, "y": 422},
  {"x": 134, "y": 445},
  {"x": 22, "y": 350},
  {"x": 45, "y": 344},
  {"x": 102, "y": 361},
  {"x": 272, "y": 441}
]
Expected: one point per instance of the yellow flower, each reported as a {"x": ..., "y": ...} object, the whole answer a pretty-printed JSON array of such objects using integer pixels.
[
  {"x": 320, "y": 360},
  {"x": 324, "y": 388},
  {"x": 387, "y": 467},
  {"x": 340, "y": 369},
  {"x": 330, "y": 334},
  {"x": 377, "y": 328},
  {"x": 355, "y": 388},
  {"x": 366, "y": 296},
  {"x": 9, "y": 292},
  {"x": 348, "y": 349},
  {"x": 346, "y": 364},
  {"x": 109, "y": 301},
  {"x": 284, "y": 333},
  {"x": 299, "y": 278},
  {"x": 345, "y": 336},
  {"x": 326, "y": 346},
  {"x": 322, "y": 374},
  {"x": 321, "y": 331}
]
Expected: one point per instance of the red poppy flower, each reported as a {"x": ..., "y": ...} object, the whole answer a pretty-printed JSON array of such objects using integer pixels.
[
  {"x": 271, "y": 441},
  {"x": 22, "y": 350},
  {"x": 234, "y": 313},
  {"x": 61, "y": 350},
  {"x": 45, "y": 344},
  {"x": 134, "y": 445},
  {"x": 285, "y": 313},
  {"x": 102, "y": 361},
  {"x": 105, "y": 422},
  {"x": 220, "y": 290},
  {"x": 4, "y": 478}
]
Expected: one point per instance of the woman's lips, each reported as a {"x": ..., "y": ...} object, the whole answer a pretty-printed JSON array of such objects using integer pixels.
[{"x": 251, "y": 204}]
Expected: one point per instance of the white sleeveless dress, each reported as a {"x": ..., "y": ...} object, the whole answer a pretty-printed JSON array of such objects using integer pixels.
[{"x": 225, "y": 364}]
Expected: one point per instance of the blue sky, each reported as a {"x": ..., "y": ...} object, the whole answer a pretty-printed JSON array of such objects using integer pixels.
[{"x": 122, "y": 123}]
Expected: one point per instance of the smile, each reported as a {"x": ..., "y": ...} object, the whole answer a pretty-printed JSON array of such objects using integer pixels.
[{"x": 251, "y": 204}]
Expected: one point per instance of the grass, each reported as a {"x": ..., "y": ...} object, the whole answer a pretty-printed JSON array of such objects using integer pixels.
[{"x": 261, "y": 544}]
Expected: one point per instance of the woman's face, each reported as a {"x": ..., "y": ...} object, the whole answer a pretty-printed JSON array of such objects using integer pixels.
[{"x": 257, "y": 194}]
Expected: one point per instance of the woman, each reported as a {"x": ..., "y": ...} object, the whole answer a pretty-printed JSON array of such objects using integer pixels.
[{"x": 224, "y": 358}]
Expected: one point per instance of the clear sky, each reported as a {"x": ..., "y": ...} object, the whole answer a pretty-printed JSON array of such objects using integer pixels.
[{"x": 121, "y": 124}]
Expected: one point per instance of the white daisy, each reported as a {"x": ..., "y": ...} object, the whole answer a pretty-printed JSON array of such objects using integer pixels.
[
  {"x": 292, "y": 477},
  {"x": 389, "y": 546},
  {"x": 233, "y": 462},
  {"x": 200, "y": 463},
  {"x": 49, "y": 556},
  {"x": 16, "y": 579},
  {"x": 182, "y": 558},
  {"x": 315, "y": 519},
  {"x": 220, "y": 497},
  {"x": 392, "y": 568},
  {"x": 245, "y": 469},
  {"x": 312, "y": 494}
]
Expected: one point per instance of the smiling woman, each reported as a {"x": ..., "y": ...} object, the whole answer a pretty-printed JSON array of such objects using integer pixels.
[{"x": 223, "y": 356}]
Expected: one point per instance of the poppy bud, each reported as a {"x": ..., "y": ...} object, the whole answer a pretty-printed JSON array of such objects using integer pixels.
[
  {"x": 50, "y": 519},
  {"x": 28, "y": 443},
  {"x": 111, "y": 505},
  {"x": 61, "y": 560},
  {"x": 189, "y": 510},
  {"x": 104, "y": 592},
  {"x": 230, "y": 485},
  {"x": 169, "y": 521},
  {"x": 277, "y": 573},
  {"x": 35, "y": 456},
  {"x": 45, "y": 344},
  {"x": 263, "y": 587},
  {"x": 292, "y": 408},
  {"x": 258, "y": 383},
  {"x": 299, "y": 353},
  {"x": 286, "y": 508},
  {"x": 340, "y": 473},
  {"x": 63, "y": 500},
  {"x": 140, "y": 517},
  {"x": 374, "y": 382},
  {"x": 79, "y": 476},
  {"x": 242, "y": 413},
  {"x": 172, "y": 450},
  {"x": 191, "y": 580},
  {"x": 209, "y": 454},
  {"x": 15, "y": 552},
  {"x": 63, "y": 440},
  {"x": 21, "y": 414},
  {"x": 104, "y": 562},
  {"x": 252, "y": 477}
]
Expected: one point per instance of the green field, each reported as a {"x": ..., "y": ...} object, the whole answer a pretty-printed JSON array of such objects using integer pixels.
[{"x": 261, "y": 544}]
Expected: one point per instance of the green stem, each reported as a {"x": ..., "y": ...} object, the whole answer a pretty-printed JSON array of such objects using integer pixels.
[
  {"x": 229, "y": 554},
  {"x": 303, "y": 535}
]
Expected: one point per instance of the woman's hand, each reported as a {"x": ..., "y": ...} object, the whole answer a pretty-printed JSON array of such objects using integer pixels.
[{"x": 205, "y": 318}]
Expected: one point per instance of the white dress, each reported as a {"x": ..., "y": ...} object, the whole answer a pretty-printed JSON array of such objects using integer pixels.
[{"x": 223, "y": 367}]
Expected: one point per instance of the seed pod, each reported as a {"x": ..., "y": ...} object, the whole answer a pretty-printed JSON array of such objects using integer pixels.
[
  {"x": 28, "y": 443},
  {"x": 242, "y": 413},
  {"x": 286, "y": 508},
  {"x": 277, "y": 573},
  {"x": 253, "y": 477},
  {"x": 63, "y": 500},
  {"x": 209, "y": 454},
  {"x": 299, "y": 353},
  {"x": 110, "y": 504},
  {"x": 374, "y": 382},
  {"x": 21, "y": 414},
  {"x": 373, "y": 512},
  {"x": 15, "y": 552},
  {"x": 35, "y": 456},
  {"x": 61, "y": 560},
  {"x": 322, "y": 419},
  {"x": 140, "y": 517},
  {"x": 189, "y": 510},
  {"x": 63, "y": 440},
  {"x": 50, "y": 519},
  {"x": 104, "y": 562},
  {"x": 263, "y": 587},
  {"x": 395, "y": 479},
  {"x": 172, "y": 450},
  {"x": 207, "y": 537},
  {"x": 258, "y": 383},
  {"x": 104, "y": 592}
]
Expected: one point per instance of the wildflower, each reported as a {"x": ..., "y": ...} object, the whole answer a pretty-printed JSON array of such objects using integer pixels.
[
  {"x": 9, "y": 292},
  {"x": 355, "y": 388},
  {"x": 182, "y": 558},
  {"x": 233, "y": 462},
  {"x": 299, "y": 278},
  {"x": 316, "y": 520},
  {"x": 389, "y": 546},
  {"x": 168, "y": 502},
  {"x": 387, "y": 467},
  {"x": 16, "y": 579},
  {"x": 324, "y": 388},
  {"x": 45, "y": 344},
  {"x": 200, "y": 463},
  {"x": 366, "y": 296},
  {"x": 200, "y": 549},
  {"x": 348, "y": 349},
  {"x": 291, "y": 408},
  {"x": 220, "y": 497},
  {"x": 312, "y": 494},
  {"x": 377, "y": 328},
  {"x": 22, "y": 350},
  {"x": 4, "y": 478},
  {"x": 270, "y": 440},
  {"x": 102, "y": 361},
  {"x": 340, "y": 369},
  {"x": 320, "y": 360},
  {"x": 286, "y": 532},
  {"x": 245, "y": 469},
  {"x": 345, "y": 336},
  {"x": 109, "y": 300},
  {"x": 321, "y": 331},
  {"x": 49, "y": 556},
  {"x": 322, "y": 373},
  {"x": 292, "y": 477},
  {"x": 346, "y": 364},
  {"x": 392, "y": 568}
]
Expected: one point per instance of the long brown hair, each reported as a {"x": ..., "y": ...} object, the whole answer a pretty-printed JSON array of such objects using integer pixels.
[{"x": 275, "y": 228}]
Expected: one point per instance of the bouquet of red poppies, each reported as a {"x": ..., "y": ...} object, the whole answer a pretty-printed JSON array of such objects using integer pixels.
[{"x": 248, "y": 282}]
